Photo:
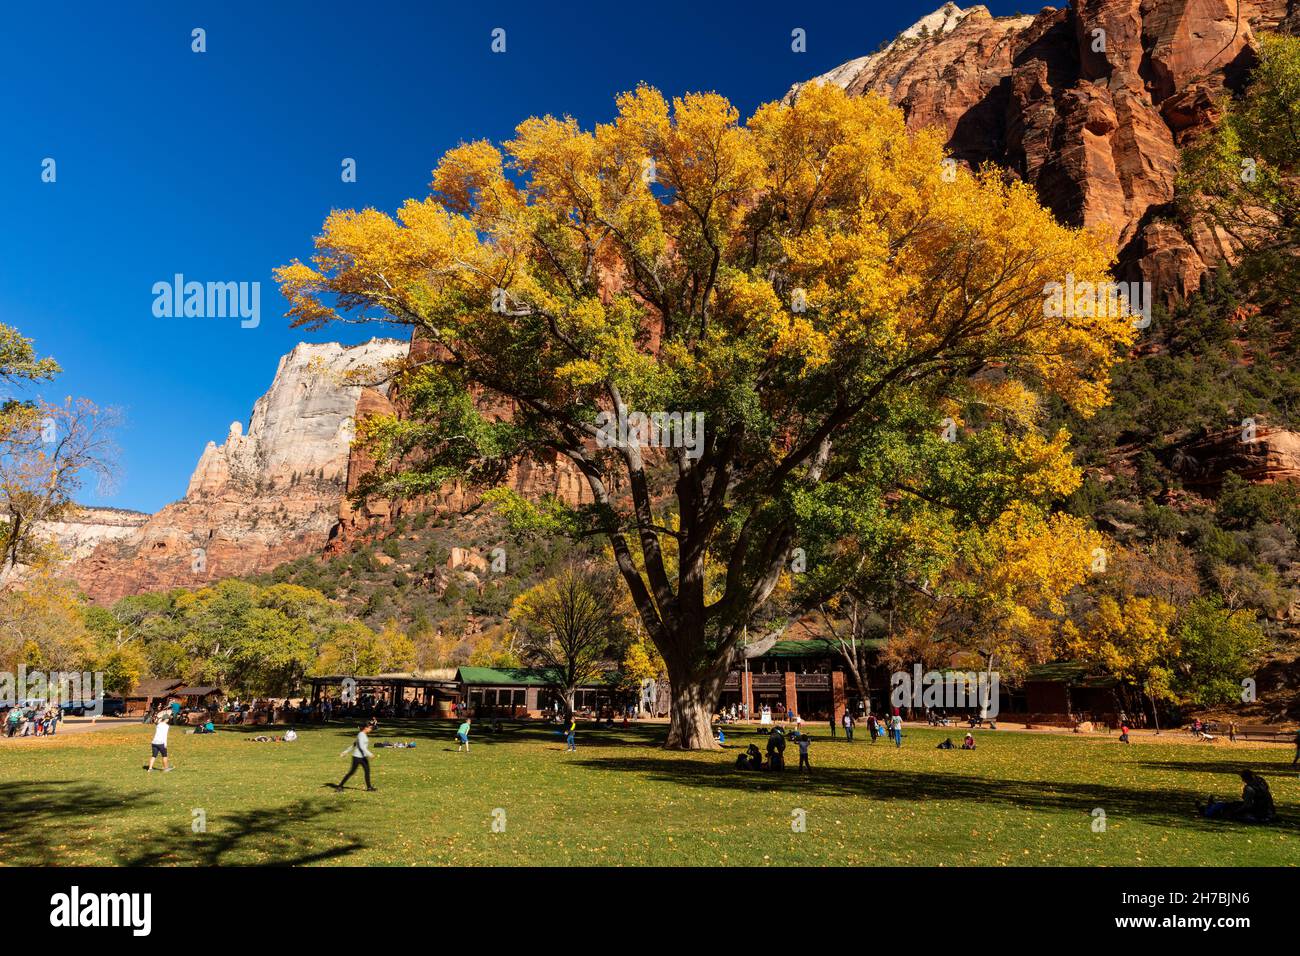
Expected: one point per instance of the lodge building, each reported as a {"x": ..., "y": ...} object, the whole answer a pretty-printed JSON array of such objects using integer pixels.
[{"x": 808, "y": 677}]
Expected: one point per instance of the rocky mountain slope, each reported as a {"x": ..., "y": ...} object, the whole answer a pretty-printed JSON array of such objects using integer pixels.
[
  {"x": 262, "y": 497},
  {"x": 1090, "y": 103}
]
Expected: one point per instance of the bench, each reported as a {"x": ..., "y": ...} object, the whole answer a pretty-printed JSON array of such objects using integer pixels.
[{"x": 1269, "y": 734}]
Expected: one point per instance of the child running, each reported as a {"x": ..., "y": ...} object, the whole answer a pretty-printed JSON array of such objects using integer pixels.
[{"x": 804, "y": 742}]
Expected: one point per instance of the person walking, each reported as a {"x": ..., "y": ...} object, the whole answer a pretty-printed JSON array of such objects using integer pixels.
[
  {"x": 462, "y": 737},
  {"x": 896, "y": 723},
  {"x": 832, "y": 725},
  {"x": 159, "y": 746},
  {"x": 848, "y": 725},
  {"x": 360, "y": 751},
  {"x": 873, "y": 728},
  {"x": 1123, "y": 733}
]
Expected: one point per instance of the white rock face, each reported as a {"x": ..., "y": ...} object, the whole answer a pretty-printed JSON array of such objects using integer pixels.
[
  {"x": 79, "y": 533},
  {"x": 260, "y": 498},
  {"x": 302, "y": 427}
]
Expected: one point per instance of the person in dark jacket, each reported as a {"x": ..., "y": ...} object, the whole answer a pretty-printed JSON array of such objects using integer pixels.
[
  {"x": 776, "y": 749},
  {"x": 1255, "y": 806}
]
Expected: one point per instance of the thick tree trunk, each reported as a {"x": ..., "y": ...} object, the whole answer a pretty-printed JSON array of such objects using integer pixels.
[{"x": 694, "y": 698}]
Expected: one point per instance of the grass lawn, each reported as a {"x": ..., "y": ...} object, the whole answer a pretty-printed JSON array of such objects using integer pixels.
[{"x": 1018, "y": 799}]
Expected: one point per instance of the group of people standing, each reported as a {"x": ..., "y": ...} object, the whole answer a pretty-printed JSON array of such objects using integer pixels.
[{"x": 891, "y": 727}]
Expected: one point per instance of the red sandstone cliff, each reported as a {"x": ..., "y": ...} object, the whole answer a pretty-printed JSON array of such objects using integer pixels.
[
  {"x": 552, "y": 476},
  {"x": 1090, "y": 104}
]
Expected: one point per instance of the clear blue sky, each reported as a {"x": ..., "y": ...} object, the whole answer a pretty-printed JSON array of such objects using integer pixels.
[{"x": 222, "y": 165}]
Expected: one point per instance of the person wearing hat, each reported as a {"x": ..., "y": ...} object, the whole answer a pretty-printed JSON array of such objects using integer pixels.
[{"x": 159, "y": 746}]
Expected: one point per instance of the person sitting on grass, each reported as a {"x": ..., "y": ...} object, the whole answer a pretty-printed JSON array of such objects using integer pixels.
[
  {"x": 207, "y": 727},
  {"x": 744, "y": 760},
  {"x": 1255, "y": 806},
  {"x": 968, "y": 743}
]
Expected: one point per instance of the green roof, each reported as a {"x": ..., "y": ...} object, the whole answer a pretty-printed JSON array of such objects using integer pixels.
[
  {"x": 813, "y": 647},
  {"x": 511, "y": 676},
  {"x": 1069, "y": 672},
  {"x": 504, "y": 675},
  {"x": 1058, "y": 672}
]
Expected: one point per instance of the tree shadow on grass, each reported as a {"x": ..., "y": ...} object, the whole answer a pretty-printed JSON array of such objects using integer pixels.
[
  {"x": 1173, "y": 808},
  {"x": 1224, "y": 766},
  {"x": 38, "y": 817},
  {"x": 232, "y": 836}
]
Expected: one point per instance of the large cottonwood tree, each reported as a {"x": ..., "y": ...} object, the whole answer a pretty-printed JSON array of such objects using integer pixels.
[{"x": 797, "y": 279}]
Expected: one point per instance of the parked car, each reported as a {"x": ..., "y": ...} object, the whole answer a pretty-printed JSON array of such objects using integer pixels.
[{"x": 112, "y": 707}]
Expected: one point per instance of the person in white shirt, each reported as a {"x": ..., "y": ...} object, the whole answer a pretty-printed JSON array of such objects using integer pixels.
[
  {"x": 290, "y": 735},
  {"x": 360, "y": 751},
  {"x": 159, "y": 747}
]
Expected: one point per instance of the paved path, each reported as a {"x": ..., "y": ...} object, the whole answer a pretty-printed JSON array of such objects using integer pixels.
[{"x": 76, "y": 725}]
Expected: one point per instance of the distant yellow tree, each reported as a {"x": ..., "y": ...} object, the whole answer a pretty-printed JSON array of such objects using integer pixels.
[
  {"x": 353, "y": 649},
  {"x": 1003, "y": 599},
  {"x": 1131, "y": 638},
  {"x": 43, "y": 626}
]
